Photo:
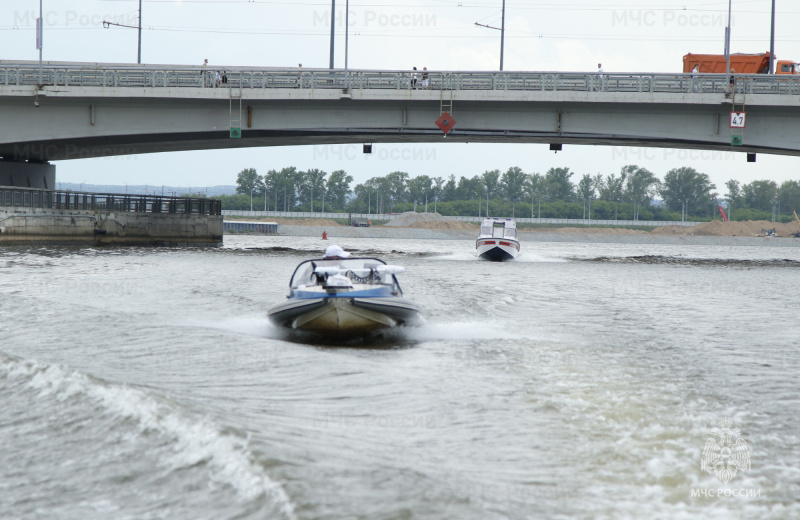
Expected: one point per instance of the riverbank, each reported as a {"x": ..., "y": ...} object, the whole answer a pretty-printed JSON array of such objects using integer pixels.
[
  {"x": 604, "y": 235},
  {"x": 436, "y": 222}
]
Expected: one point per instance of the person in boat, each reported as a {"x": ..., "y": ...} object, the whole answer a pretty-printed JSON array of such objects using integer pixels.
[{"x": 335, "y": 252}]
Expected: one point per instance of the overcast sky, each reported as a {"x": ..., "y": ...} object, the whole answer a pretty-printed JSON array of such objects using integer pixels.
[{"x": 541, "y": 35}]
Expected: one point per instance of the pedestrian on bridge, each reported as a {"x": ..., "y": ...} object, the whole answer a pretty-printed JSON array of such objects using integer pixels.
[
  {"x": 600, "y": 75},
  {"x": 414, "y": 78},
  {"x": 695, "y": 82}
]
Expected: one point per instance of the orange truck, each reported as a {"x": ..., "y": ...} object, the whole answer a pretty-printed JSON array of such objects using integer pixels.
[{"x": 740, "y": 63}]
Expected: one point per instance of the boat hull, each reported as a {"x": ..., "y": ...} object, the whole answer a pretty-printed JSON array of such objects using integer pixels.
[
  {"x": 343, "y": 316},
  {"x": 497, "y": 249}
]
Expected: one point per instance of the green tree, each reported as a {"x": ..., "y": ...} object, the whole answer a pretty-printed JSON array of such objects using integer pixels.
[
  {"x": 789, "y": 196},
  {"x": 687, "y": 185},
  {"x": 536, "y": 187},
  {"x": 586, "y": 187},
  {"x": 438, "y": 188},
  {"x": 612, "y": 189},
  {"x": 734, "y": 196},
  {"x": 337, "y": 188},
  {"x": 450, "y": 187},
  {"x": 398, "y": 187},
  {"x": 491, "y": 182},
  {"x": 640, "y": 186},
  {"x": 512, "y": 184},
  {"x": 419, "y": 188},
  {"x": 311, "y": 183},
  {"x": 559, "y": 185},
  {"x": 760, "y": 194},
  {"x": 284, "y": 188},
  {"x": 247, "y": 181}
]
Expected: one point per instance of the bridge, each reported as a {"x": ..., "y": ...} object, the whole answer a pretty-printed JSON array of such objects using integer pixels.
[{"x": 67, "y": 111}]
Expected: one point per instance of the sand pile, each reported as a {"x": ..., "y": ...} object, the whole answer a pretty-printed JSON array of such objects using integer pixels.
[
  {"x": 717, "y": 228},
  {"x": 593, "y": 230},
  {"x": 295, "y": 221},
  {"x": 428, "y": 221}
]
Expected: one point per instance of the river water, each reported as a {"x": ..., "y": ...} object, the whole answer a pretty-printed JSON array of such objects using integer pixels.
[{"x": 581, "y": 381}]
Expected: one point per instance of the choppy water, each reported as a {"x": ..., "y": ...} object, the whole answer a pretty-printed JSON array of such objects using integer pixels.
[{"x": 581, "y": 381}]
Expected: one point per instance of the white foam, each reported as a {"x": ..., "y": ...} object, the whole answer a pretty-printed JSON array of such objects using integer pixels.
[
  {"x": 536, "y": 258},
  {"x": 197, "y": 438},
  {"x": 459, "y": 330},
  {"x": 523, "y": 257},
  {"x": 459, "y": 257},
  {"x": 251, "y": 325}
]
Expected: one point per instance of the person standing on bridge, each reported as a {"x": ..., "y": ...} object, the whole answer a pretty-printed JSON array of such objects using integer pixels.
[
  {"x": 424, "y": 77},
  {"x": 414, "y": 78},
  {"x": 203, "y": 71},
  {"x": 732, "y": 80},
  {"x": 695, "y": 72},
  {"x": 600, "y": 75}
]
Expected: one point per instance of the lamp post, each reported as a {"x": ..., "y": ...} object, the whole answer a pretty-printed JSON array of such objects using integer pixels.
[
  {"x": 772, "y": 41},
  {"x": 346, "y": 33},
  {"x": 728, "y": 41},
  {"x": 333, "y": 26}
]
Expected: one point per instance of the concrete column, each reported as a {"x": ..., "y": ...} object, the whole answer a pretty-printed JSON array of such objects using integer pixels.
[{"x": 28, "y": 175}]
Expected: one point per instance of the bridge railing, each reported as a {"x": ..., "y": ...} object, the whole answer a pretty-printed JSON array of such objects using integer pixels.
[
  {"x": 271, "y": 78},
  {"x": 75, "y": 200}
]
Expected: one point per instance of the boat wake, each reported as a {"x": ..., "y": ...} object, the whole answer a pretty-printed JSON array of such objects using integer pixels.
[
  {"x": 192, "y": 442},
  {"x": 678, "y": 260}
]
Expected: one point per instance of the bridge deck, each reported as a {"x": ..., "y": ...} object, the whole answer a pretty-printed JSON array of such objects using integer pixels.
[
  {"x": 96, "y": 110},
  {"x": 109, "y": 75}
]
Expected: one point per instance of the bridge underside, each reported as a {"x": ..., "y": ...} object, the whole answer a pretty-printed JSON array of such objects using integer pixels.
[
  {"x": 68, "y": 123},
  {"x": 106, "y": 146}
]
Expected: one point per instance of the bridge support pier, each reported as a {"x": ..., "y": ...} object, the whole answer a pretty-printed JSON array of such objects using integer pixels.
[{"x": 28, "y": 175}]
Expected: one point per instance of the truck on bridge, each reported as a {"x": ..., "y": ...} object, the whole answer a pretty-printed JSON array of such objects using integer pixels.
[{"x": 740, "y": 63}]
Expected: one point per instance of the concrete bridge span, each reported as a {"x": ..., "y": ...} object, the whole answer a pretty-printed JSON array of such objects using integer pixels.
[{"x": 95, "y": 110}]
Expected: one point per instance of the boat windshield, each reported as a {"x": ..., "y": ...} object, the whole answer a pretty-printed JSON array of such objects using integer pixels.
[
  {"x": 499, "y": 229},
  {"x": 368, "y": 271}
]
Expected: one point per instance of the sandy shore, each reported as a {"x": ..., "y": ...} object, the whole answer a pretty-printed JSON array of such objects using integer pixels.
[{"x": 409, "y": 226}]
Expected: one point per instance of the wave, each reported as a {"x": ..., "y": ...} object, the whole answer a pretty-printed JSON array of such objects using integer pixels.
[{"x": 195, "y": 439}]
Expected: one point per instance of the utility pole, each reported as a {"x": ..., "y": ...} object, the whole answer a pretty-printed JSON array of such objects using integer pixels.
[
  {"x": 39, "y": 38},
  {"x": 139, "y": 55},
  {"x": 107, "y": 24},
  {"x": 502, "y": 33},
  {"x": 502, "y": 30}
]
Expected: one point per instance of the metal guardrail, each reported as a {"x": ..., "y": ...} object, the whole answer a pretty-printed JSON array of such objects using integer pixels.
[
  {"x": 247, "y": 78},
  {"x": 73, "y": 200},
  {"x": 390, "y": 216}
]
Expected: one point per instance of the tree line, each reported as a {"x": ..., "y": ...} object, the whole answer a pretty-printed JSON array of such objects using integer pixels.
[{"x": 634, "y": 193}]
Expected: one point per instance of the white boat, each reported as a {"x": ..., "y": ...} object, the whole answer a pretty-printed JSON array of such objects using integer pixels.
[
  {"x": 345, "y": 297},
  {"x": 498, "y": 239}
]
